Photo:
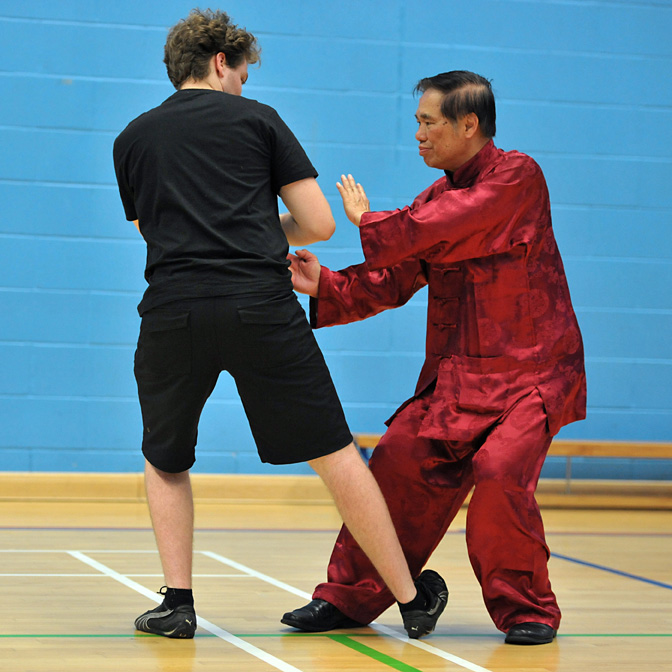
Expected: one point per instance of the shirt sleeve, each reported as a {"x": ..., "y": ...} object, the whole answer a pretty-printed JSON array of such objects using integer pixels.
[
  {"x": 356, "y": 293},
  {"x": 498, "y": 212},
  {"x": 125, "y": 190},
  {"x": 289, "y": 161}
]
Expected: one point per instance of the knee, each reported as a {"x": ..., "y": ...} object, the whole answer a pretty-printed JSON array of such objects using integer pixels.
[
  {"x": 342, "y": 456},
  {"x": 343, "y": 464},
  {"x": 165, "y": 475},
  {"x": 392, "y": 466},
  {"x": 496, "y": 472}
]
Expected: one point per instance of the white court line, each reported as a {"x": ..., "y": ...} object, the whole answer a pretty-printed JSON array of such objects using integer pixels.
[
  {"x": 32, "y": 550},
  {"x": 252, "y": 572},
  {"x": 78, "y": 576},
  {"x": 383, "y": 629},
  {"x": 193, "y": 576},
  {"x": 116, "y": 550},
  {"x": 467, "y": 665},
  {"x": 137, "y": 576},
  {"x": 206, "y": 625}
]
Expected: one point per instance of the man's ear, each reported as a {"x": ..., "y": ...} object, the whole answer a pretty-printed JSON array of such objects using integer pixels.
[
  {"x": 470, "y": 124},
  {"x": 220, "y": 63}
]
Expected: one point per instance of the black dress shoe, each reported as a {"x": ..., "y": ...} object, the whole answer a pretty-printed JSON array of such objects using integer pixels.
[
  {"x": 318, "y": 616},
  {"x": 530, "y": 633}
]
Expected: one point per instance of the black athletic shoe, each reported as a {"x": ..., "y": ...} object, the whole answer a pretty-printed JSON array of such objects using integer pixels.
[
  {"x": 178, "y": 623},
  {"x": 421, "y": 622}
]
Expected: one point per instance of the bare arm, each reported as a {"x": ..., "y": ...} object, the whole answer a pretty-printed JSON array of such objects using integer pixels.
[{"x": 309, "y": 219}]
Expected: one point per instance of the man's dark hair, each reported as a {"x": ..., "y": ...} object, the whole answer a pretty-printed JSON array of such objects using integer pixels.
[
  {"x": 464, "y": 92},
  {"x": 193, "y": 41}
]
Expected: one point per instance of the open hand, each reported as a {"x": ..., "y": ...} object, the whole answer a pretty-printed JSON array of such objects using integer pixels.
[{"x": 355, "y": 202}]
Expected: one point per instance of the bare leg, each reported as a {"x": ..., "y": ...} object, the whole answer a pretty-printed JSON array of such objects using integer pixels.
[
  {"x": 171, "y": 507},
  {"x": 363, "y": 509}
]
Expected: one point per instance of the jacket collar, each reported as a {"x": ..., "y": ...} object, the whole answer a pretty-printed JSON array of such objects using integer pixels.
[{"x": 467, "y": 173}]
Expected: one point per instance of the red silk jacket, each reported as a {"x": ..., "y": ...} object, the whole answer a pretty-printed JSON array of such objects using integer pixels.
[{"x": 500, "y": 322}]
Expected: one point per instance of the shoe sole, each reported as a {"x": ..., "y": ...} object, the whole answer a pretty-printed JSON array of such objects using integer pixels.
[
  {"x": 528, "y": 641},
  {"x": 178, "y": 633},
  {"x": 297, "y": 623}
]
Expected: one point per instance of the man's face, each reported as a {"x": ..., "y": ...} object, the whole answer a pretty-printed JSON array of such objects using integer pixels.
[
  {"x": 234, "y": 78},
  {"x": 443, "y": 143}
]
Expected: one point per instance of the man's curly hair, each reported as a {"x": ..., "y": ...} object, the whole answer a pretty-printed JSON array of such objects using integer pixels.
[{"x": 193, "y": 41}]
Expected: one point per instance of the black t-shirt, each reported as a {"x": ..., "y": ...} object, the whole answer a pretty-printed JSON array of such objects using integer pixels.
[{"x": 202, "y": 172}]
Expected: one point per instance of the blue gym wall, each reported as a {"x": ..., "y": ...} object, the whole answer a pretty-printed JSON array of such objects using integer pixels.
[{"x": 583, "y": 87}]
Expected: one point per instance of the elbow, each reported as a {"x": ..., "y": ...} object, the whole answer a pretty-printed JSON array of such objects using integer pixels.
[
  {"x": 322, "y": 229},
  {"x": 328, "y": 228}
]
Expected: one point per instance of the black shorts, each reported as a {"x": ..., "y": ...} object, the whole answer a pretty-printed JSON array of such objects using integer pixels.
[{"x": 267, "y": 346}]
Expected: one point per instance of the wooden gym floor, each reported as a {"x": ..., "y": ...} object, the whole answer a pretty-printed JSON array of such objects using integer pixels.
[{"x": 74, "y": 573}]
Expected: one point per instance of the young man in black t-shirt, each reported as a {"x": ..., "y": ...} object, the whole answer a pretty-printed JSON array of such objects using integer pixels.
[{"x": 199, "y": 176}]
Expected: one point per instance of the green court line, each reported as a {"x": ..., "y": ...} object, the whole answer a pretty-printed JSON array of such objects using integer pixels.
[{"x": 395, "y": 664}]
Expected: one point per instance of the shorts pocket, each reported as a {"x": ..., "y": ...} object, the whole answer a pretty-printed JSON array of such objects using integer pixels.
[
  {"x": 164, "y": 345},
  {"x": 277, "y": 333},
  {"x": 275, "y": 311}
]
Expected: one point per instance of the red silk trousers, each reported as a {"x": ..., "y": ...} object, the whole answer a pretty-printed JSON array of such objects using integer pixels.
[{"x": 425, "y": 485}]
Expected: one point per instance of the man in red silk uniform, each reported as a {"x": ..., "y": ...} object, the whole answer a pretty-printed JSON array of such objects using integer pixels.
[{"x": 504, "y": 367}]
